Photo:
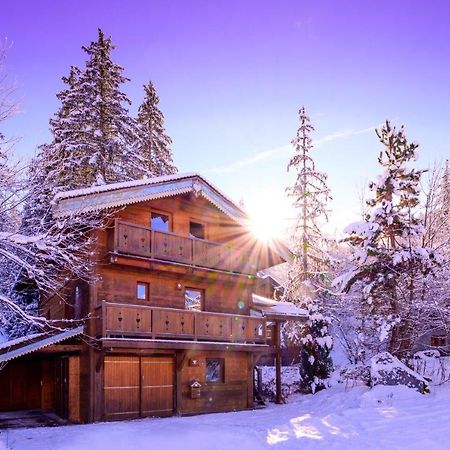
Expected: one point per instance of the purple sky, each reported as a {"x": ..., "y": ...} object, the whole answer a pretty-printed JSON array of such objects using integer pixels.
[{"x": 232, "y": 74}]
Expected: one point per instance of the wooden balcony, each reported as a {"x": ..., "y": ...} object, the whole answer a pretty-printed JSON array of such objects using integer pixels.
[
  {"x": 123, "y": 320},
  {"x": 136, "y": 240}
]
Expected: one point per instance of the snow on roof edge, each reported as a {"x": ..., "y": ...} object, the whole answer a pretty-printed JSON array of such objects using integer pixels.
[{"x": 136, "y": 183}]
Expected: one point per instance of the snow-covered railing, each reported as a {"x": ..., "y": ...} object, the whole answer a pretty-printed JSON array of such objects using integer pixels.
[
  {"x": 118, "y": 319},
  {"x": 136, "y": 240}
]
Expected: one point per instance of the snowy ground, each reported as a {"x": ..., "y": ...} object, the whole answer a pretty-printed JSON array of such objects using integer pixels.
[{"x": 357, "y": 418}]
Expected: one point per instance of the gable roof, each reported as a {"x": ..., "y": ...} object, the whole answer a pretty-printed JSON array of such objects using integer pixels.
[
  {"x": 28, "y": 344},
  {"x": 115, "y": 195}
]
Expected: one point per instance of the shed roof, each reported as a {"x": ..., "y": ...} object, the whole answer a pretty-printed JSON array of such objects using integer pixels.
[
  {"x": 275, "y": 310},
  {"x": 28, "y": 344}
]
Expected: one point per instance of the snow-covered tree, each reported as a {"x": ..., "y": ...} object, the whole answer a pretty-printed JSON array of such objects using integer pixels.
[
  {"x": 153, "y": 145},
  {"x": 437, "y": 208},
  {"x": 41, "y": 262},
  {"x": 93, "y": 134},
  {"x": 388, "y": 261},
  {"x": 308, "y": 272}
]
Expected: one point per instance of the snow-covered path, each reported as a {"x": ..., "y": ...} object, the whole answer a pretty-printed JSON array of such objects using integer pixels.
[{"x": 384, "y": 418}]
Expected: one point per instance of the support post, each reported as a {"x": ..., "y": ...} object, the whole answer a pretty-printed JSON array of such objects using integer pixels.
[
  {"x": 279, "y": 397},
  {"x": 180, "y": 360}
]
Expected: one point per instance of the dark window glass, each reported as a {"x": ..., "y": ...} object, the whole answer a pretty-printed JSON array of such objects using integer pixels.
[
  {"x": 142, "y": 291},
  {"x": 159, "y": 221},
  {"x": 197, "y": 230},
  {"x": 215, "y": 370},
  {"x": 193, "y": 299},
  {"x": 438, "y": 341}
]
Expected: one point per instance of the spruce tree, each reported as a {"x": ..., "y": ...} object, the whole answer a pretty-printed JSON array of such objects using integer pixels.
[
  {"x": 308, "y": 273},
  {"x": 107, "y": 131},
  {"x": 153, "y": 145},
  {"x": 93, "y": 136},
  {"x": 389, "y": 262}
]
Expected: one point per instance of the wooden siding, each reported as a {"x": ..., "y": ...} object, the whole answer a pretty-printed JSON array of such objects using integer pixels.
[
  {"x": 223, "y": 294},
  {"x": 229, "y": 395}
]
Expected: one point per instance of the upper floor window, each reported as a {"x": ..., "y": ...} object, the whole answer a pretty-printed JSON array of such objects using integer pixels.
[
  {"x": 193, "y": 299},
  {"x": 160, "y": 221},
  {"x": 197, "y": 230},
  {"x": 142, "y": 291}
]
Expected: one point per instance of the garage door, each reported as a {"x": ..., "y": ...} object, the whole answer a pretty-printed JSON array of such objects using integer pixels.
[
  {"x": 157, "y": 386},
  {"x": 122, "y": 387},
  {"x": 138, "y": 386}
]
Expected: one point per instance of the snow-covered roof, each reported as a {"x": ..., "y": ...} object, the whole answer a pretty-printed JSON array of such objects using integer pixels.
[
  {"x": 278, "y": 273},
  {"x": 273, "y": 309},
  {"x": 28, "y": 344},
  {"x": 114, "y": 195}
]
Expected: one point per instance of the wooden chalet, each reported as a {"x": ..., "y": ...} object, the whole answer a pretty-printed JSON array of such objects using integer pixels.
[{"x": 173, "y": 327}]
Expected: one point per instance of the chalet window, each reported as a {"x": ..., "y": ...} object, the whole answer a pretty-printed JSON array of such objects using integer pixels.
[
  {"x": 160, "y": 221},
  {"x": 438, "y": 341},
  {"x": 215, "y": 370},
  {"x": 197, "y": 230},
  {"x": 142, "y": 291},
  {"x": 193, "y": 299}
]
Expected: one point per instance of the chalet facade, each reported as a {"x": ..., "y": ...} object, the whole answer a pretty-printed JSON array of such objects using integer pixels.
[{"x": 173, "y": 327}]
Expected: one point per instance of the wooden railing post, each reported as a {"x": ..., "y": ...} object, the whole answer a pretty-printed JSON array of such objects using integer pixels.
[
  {"x": 152, "y": 321},
  {"x": 116, "y": 235},
  {"x": 103, "y": 318},
  {"x": 152, "y": 244}
]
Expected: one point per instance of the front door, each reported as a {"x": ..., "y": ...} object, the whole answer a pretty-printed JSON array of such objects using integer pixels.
[
  {"x": 62, "y": 387},
  {"x": 138, "y": 386}
]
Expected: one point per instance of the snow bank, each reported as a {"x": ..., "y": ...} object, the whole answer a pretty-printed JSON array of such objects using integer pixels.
[{"x": 335, "y": 418}]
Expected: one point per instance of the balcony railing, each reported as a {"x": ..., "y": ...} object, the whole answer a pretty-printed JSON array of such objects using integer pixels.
[
  {"x": 117, "y": 319},
  {"x": 136, "y": 240}
]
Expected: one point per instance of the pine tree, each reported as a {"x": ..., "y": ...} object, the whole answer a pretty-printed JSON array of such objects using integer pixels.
[
  {"x": 388, "y": 259},
  {"x": 308, "y": 272},
  {"x": 93, "y": 135},
  {"x": 153, "y": 144}
]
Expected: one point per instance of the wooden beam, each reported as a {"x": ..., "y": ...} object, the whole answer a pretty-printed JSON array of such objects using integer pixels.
[
  {"x": 279, "y": 396},
  {"x": 56, "y": 348},
  {"x": 111, "y": 343},
  {"x": 180, "y": 362}
]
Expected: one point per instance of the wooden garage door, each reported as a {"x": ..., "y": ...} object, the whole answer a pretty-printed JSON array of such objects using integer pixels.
[
  {"x": 138, "y": 386},
  {"x": 122, "y": 387},
  {"x": 157, "y": 378}
]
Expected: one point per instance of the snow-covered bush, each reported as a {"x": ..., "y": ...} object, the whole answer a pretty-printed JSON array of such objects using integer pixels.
[
  {"x": 353, "y": 376},
  {"x": 316, "y": 364},
  {"x": 290, "y": 381},
  {"x": 386, "y": 369},
  {"x": 432, "y": 366}
]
